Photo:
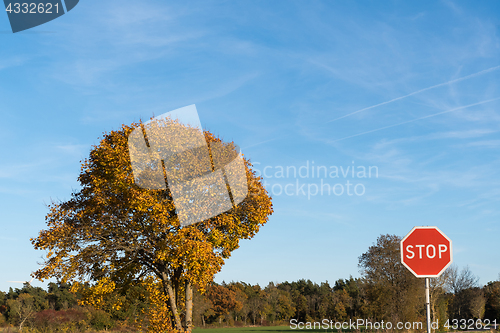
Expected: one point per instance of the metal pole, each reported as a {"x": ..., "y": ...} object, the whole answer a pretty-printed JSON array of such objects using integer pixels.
[{"x": 428, "y": 305}]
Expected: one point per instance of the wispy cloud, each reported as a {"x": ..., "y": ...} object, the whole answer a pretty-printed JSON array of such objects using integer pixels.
[
  {"x": 261, "y": 143},
  {"x": 417, "y": 119},
  {"x": 8, "y": 238},
  {"x": 452, "y": 135},
  {"x": 22, "y": 170},
  {"x": 12, "y": 62},
  {"x": 74, "y": 150},
  {"x": 121, "y": 36},
  {"x": 419, "y": 91},
  {"x": 485, "y": 143}
]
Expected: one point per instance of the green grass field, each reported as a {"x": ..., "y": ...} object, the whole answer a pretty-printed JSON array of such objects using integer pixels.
[{"x": 275, "y": 329}]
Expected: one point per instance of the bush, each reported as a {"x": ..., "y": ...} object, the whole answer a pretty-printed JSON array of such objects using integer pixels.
[
  {"x": 265, "y": 323},
  {"x": 101, "y": 320},
  {"x": 69, "y": 320}
]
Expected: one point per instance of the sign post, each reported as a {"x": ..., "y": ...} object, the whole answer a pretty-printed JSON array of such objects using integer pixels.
[
  {"x": 426, "y": 252},
  {"x": 428, "y": 305}
]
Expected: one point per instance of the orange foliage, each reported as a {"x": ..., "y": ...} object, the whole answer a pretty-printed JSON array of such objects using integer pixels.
[{"x": 112, "y": 232}]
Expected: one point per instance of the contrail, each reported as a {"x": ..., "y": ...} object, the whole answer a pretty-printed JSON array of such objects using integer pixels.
[
  {"x": 419, "y": 91},
  {"x": 410, "y": 121},
  {"x": 259, "y": 143}
]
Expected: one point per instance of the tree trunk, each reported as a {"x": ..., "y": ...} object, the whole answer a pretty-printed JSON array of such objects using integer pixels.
[
  {"x": 23, "y": 320},
  {"x": 189, "y": 307},
  {"x": 171, "y": 299}
]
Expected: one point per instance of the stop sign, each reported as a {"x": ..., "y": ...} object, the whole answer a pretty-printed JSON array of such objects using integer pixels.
[{"x": 426, "y": 251}]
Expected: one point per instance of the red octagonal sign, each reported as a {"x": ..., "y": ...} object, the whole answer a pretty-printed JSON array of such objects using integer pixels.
[{"x": 426, "y": 251}]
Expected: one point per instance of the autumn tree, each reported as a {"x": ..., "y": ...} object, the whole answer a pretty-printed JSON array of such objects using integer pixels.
[
  {"x": 461, "y": 280},
  {"x": 202, "y": 308},
  {"x": 339, "y": 304},
  {"x": 60, "y": 298},
  {"x": 439, "y": 298},
  {"x": 492, "y": 294},
  {"x": 356, "y": 302},
  {"x": 223, "y": 300},
  {"x": 280, "y": 302},
  {"x": 117, "y": 231},
  {"x": 393, "y": 292},
  {"x": 21, "y": 309},
  {"x": 468, "y": 299},
  {"x": 240, "y": 312}
]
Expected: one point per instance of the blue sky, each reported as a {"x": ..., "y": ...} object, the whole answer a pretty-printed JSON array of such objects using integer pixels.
[{"x": 411, "y": 89}]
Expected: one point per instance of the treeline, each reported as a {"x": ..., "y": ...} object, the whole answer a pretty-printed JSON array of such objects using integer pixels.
[
  {"x": 241, "y": 304},
  {"x": 385, "y": 291},
  {"x": 34, "y": 309},
  {"x": 238, "y": 303}
]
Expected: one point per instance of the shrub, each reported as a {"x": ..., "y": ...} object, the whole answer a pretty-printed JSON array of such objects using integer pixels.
[
  {"x": 101, "y": 320},
  {"x": 49, "y": 320}
]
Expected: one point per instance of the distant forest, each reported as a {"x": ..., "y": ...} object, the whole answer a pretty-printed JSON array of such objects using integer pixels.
[{"x": 386, "y": 291}]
